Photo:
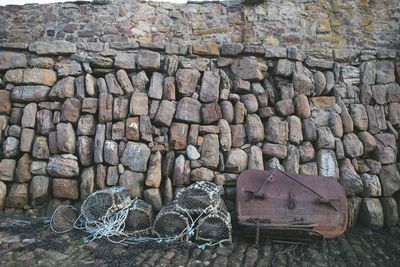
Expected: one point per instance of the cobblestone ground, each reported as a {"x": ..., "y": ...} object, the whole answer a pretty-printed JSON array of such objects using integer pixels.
[{"x": 34, "y": 244}]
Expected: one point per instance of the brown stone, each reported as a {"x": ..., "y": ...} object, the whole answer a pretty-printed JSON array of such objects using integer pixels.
[
  {"x": 238, "y": 135},
  {"x": 105, "y": 105},
  {"x": 209, "y": 49},
  {"x": 40, "y": 149},
  {"x": 17, "y": 196},
  {"x": 139, "y": 104},
  {"x": 209, "y": 90},
  {"x": 89, "y": 105},
  {"x": 146, "y": 129},
  {"x": 285, "y": 107},
  {"x": 169, "y": 92},
  {"x": 64, "y": 88},
  {"x": 132, "y": 129},
  {"x": 274, "y": 150},
  {"x": 188, "y": 110},
  {"x": 178, "y": 135},
  {"x": 210, "y": 113},
  {"x": 85, "y": 150},
  {"x": 276, "y": 130},
  {"x": 5, "y": 102},
  {"x": 302, "y": 107},
  {"x": 181, "y": 172},
  {"x": 71, "y": 110},
  {"x": 66, "y": 138},
  {"x": 148, "y": 60},
  {"x": 65, "y": 188},
  {"x": 153, "y": 178},
  {"x": 210, "y": 151},
  {"x": 165, "y": 113},
  {"x": 186, "y": 80},
  {"x": 121, "y": 107}
]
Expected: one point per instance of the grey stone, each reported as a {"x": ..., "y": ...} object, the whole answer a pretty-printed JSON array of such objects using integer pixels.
[
  {"x": 295, "y": 130},
  {"x": 325, "y": 138},
  {"x": 63, "y": 166},
  {"x": 153, "y": 178},
  {"x": 247, "y": 69},
  {"x": 276, "y": 130},
  {"x": 71, "y": 110},
  {"x": 135, "y": 156},
  {"x": 353, "y": 147},
  {"x": 327, "y": 164},
  {"x": 85, "y": 150},
  {"x": 139, "y": 104},
  {"x": 225, "y": 137},
  {"x": 86, "y": 125},
  {"x": 113, "y": 86},
  {"x": 58, "y": 47},
  {"x": 181, "y": 171},
  {"x": 7, "y": 168},
  {"x": 17, "y": 196},
  {"x": 148, "y": 60},
  {"x": 123, "y": 80},
  {"x": 40, "y": 149},
  {"x": 390, "y": 179},
  {"x": 68, "y": 68},
  {"x": 38, "y": 190},
  {"x": 188, "y": 110},
  {"x": 111, "y": 152},
  {"x": 291, "y": 163},
  {"x": 65, "y": 188},
  {"x": 209, "y": 90},
  {"x": 236, "y": 160},
  {"x": 202, "y": 174},
  {"x": 63, "y": 89},
  {"x": 273, "y": 164},
  {"x": 306, "y": 152},
  {"x": 238, "y": 133},
  {"x": 335, "y": 124},
  {"x": 255, "y": 158},
  {"x": 45, "y": 122},
  {"x": 26, "y": 140},
  {"x": 349, "y": 178},
  {"x": 371, "y": 213},
  {"x": 89, "y": 105},
  {"x": 274, "y": 150},
  {"x": 165, "y": 113},
  {"x": 146, "y": 129},
  {"x": 125, "y": 61},
  {"x": 254, "y": 128},
  {"x": 309, "y": 130},
  {"x": 390, "y": 211},
  {"x": 153, "y": 196},
  {"x": 156, "y": 86},
  {"x": 239, "y": 112},
  {"x": 12, "y": 60},
  {"x": 250, "y": 102},
  {"x": 210, "y": 151},
  {"x": 371, "y": 185},
  {"x": 29, "y": 118},
  {"x": 350, "y": 75},
  {"x": 386, "y": 148},
  {"x": 87, "y": 182},
  {"x": 385, "y": 72},
  {"x": 133, "y": 182},
  {"x": 99, "y": 143},
  {"x": 66, "y": 139},
  {"x": 320, "y": 82},
  {"x": 10, "y": 147},
  {"x": 284, "y": 68},
  {"x": 309, "y": 168},
  {"x": 285, "y": 107},
  {"x": 192, "y": 152}
]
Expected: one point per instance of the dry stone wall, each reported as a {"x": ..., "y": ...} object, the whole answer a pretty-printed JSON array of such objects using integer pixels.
[{"x": 77, "y": 116}]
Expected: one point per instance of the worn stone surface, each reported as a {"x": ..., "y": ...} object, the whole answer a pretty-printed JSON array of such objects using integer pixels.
[
  {"x": 66, "y": 139},
  {"x": 353, "y": 147},
  {"x": 349, "y": 178},
  {"x": 65, "y": 188},
  {"x": 7, "y": 168},
  {"x": 276, "y": 130},
  {"x": 371, "y": 213},
  {"x": 236, "y": 160},
  {"x": 188, "y": 110},
  {"x": 133, "y": 182},
  {"x": 327, "y": 164},
  {"x": 390, "y": 179},
  {"x": 210, "y": 151},
  {"x": 63, "y": 166},
  {"x": 135, "y": 156}
]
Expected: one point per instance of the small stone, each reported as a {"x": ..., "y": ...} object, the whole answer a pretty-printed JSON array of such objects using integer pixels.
[
  {"x": 209, "y": 90},
  {"x": 274, "y": 150},
  {"x": 238, "y": 135},
  {"x": 349, "y": 178},
  {"x": 241, "y": 86},
  {"x": 250, "y": 102},
  {"x": 350, "y": 74},
  {"x": 68, "y": 68},
  {"x": 153, "y": 197},
  {"x": 178, "y": 135},
  {"x": 125, "y": 61},
  {"x": 45, "y": 122},
  {"x": 135, "y": 156},
  {"x": 390, "y": 179},
  {"x": 186, "y": 80},
  {"x": 276, "y": 130},
  {"x": 285, "y": 107},
  {"x": 66, "y": 138},
  {"x": 210, "y": 151},
  {"x": 208, "y": 49},
  {"x": 210, "y": 113},
  {"x": 371, "y": 185},
  {"x": 148, "y": 60},
  {"x": 306, "y": 152},
  {"x": 165, "y": 113},
  {"x": 188, "y": 110},
  {"x": 192, "y": 152},
  {"x": 327, "y": 164},
  {"x": 325, "y": 138},
  {"x": 132, "y": 129},
  {"x": 63, "y": 166},
  {"x": 113, "y": 86},
  {"x": 40, "y": 148},
  {"x": 85, "y": 150},
  {"x": 70, "y": 110},
  {"x": 7, "y": 167},
  {"x": 65, "y": 188},
  {"x": 247, "y": 69},
  {"x": 38, "y": 191},
  {"x": 29, "y": 118},
  {"x": 11, "y": 147},
  {"x": 99, "y": 143},
  {"x": 17, "y": 196},
  {"x": 352, "y": 145},
  {"x": 139, "y": 104},
  {"x": 5, "y": 101},
  {"x": 302, "y": 107},
  {"x": 291, "y": 163},
  {"x": 273, "y": 164},
  {"x": 118, "y": 131},
  {"x": 236, "y": 160},
  {"x": 225, "y": 137},
  {"x": 156, "y": 86},
  {"x": 371, "y": 213},
  {"x": 181, "y": 171}
]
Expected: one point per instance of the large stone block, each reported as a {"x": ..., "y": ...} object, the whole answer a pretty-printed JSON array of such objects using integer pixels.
[
  {"x": 210, "y": 151},
  {"x": 327, "y": 164},
  {"x": 7, "y": 168},
  {"x": 236, "y": 161},
  {"x": 63, "y": 89},
  {"x": 135, "y": 156},
  {"x": 12, "y": 60},
  {"x": 371, "y": 213},
  {"x": 63, "y": 166},
  {"x": 247, "y": 69},
  {"x": 390, "y": 179},
  {"x": 390, "y": 211},
  {"x": 65, "y": 188},
  {"x": 178, "y": 135},
  {"x": 188, "y": 110},
  {"x": 148, "y": 60},
  {"x": 17, "y": 196},
  {"x": 133, "y": 182},
  {"x": 210, "y": 113},
  {"x": 209, "y": 90},
  {"x": 38, "y": 190},
  {"x": 254, "y": 128},
  {"x": 66, "y": 139},
  {"x": 349, "y": 178},
  {"x": 58, "y": 47},
  {"x": 276, "y": 130}
]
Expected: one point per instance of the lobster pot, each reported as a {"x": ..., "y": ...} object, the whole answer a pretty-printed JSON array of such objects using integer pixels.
[
  {"x": 103, "y": 203},
  {"x": 215, "y": 227},
  {"x": 139, "y": 219},
  {"x": 172, "y": 221},
  {"x": 198, "y": 196}
]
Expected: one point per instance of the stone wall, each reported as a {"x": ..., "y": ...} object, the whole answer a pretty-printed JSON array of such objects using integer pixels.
[{"x": 156, "y": 116}]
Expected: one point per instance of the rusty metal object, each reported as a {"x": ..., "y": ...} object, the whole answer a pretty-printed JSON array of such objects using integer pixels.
[{"x": 275, "y": 201}]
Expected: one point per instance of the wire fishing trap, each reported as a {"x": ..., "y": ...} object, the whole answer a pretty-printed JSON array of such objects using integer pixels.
[{"x": 113, "y": 215}]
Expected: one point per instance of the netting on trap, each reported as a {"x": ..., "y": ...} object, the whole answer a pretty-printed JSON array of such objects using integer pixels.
[
  {"x": 214, "y": 227},
  {"x": 199, "y": 196},
  {"x": 139, "y": 219},
  {"x": 172, "y": 222},
  {"x": 103, "y": 203}
]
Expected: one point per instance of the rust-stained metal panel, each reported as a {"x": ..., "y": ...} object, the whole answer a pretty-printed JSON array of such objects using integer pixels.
[{"x": 277, "y": 200}]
